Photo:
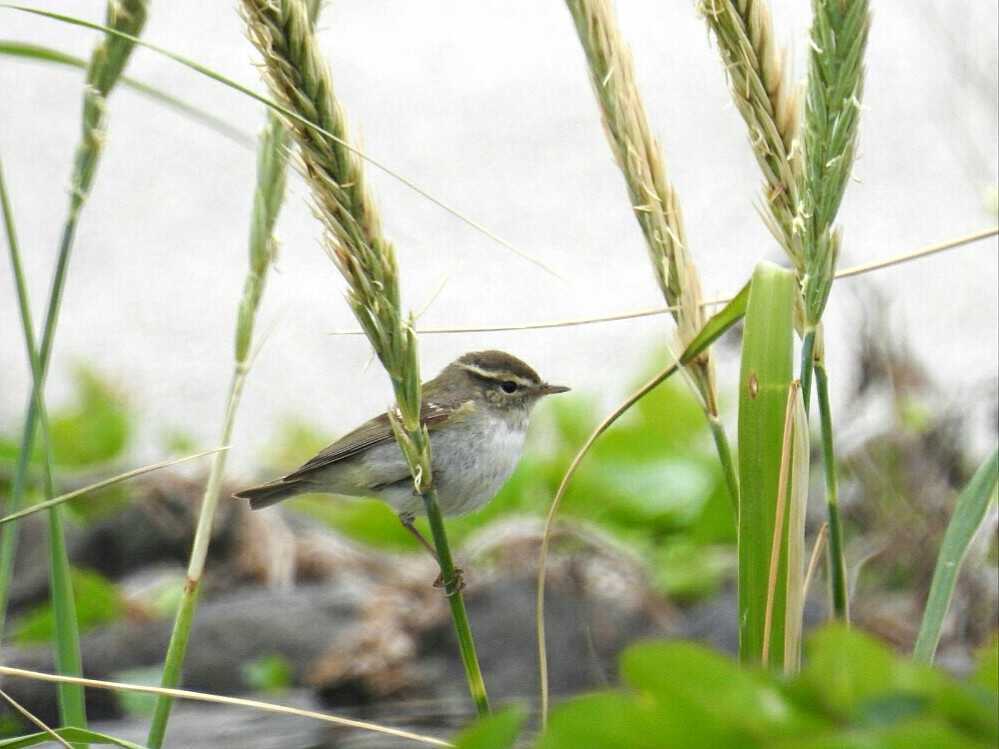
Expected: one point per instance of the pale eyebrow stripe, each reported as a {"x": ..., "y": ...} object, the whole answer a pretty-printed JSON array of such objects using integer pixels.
[{"x": 498, "y": 376}]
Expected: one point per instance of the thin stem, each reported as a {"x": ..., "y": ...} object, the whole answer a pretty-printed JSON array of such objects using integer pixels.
[
  {"x": 177, "y": 649},
  {"x": 807, "y": 363},
  {"x": 174, "y": 661},
  {"x": 268, "y": 197},
  {"x": 778, "y": 541},
  {"x": 219, "y": 699},
  {"x": 725, "y": 457},
  {"x": 856, "y": 270},
  {"x": 466, "y": 643},
  {"x": 65, "y": 629},
  {"x": 837, "y": 561},
  {"x": 539, "y": 618}
]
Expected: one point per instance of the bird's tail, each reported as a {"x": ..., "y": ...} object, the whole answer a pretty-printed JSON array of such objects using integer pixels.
[{"x": 270, "y": 493}]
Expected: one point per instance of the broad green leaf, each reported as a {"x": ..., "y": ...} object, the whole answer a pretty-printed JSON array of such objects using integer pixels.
[
  {"x": 921, "y": 734},
  {"x": 692, "y": 680},
  {"x": 987, "y": 672},
  {"x": 497, "y": 731},
  {"x": 610, "y": 720},
  {"x": 763, "y": 387}
]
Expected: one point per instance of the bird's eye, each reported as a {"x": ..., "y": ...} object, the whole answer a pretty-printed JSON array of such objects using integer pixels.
[{"x": 508, "y": 386}]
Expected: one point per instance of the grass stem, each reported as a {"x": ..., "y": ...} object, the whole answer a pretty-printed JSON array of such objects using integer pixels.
[
  {"x": 268, "y": 197},
  {"x": 466, "y": 643},
  {"x": 725, "y": 456},
  {"x": 807, "y": 364},
  {"x": 837, "y": 560},
  {"x": 299, "y": 77},
  {"x": 66, "y": 631}
]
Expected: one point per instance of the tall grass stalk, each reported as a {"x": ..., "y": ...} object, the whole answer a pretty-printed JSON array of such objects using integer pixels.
[
  {"x": 839, "y": 35},
  {"x": 653, "y": 199},
  {"x": 298, "y": 76},
  {"x": 105, "y": 68},
  {"x": 272, "y": 156},
  {"x": 804, "y": 185},
  {"x": 67, "y": 645}
]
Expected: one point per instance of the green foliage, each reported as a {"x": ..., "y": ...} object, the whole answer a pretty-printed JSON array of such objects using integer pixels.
[
  {"x": 97, "y": 602},
  {"x": 496, "y": 731},
  {"x": 652, "y": 480},
  {"x": 853, "y": 692},
  {"x": 93, "y": 429},
  {"x": 268, "y": 673},
  {"x": 987, "y": 673}
]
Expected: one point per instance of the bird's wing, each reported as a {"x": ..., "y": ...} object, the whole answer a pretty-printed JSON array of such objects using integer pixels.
[{"x": 370, "y": 433}]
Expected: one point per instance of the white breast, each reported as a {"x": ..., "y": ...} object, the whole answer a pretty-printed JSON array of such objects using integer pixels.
[{"x": 472, "y": 461}]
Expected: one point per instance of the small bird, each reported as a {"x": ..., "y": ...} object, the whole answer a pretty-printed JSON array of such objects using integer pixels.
[{"x": 476, "y": 411}]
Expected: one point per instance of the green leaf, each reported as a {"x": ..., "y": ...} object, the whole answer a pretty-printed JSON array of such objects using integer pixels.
[
  {"x": 987, "y": 672},
  {"x": 922, "y": 734},
  {"x": 497, "y": 731},
  {"x": 964, "y": 523},
  {"x": 763, "y": 395},
  {"x": 72, "y": 735},
  {"x": 609, "y": 720},
  {"x": 855, "y": 678},
  {"x": 695, "y": 681}
]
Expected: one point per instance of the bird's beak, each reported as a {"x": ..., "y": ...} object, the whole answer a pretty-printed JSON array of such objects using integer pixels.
[{"x": 547, "y": 389}]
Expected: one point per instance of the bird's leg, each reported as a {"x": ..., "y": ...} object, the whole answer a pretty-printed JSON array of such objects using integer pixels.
[{"x": 459, "y": 581}]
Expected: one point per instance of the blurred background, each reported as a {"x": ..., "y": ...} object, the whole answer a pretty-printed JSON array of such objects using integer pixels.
[{"x": 488, "y": 107}]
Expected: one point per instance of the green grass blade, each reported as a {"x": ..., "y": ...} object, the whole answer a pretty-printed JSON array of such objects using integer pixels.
[
  {"x": 837, "y": 556},
  {"x": 964, "y": 523},
  {"x": 763, "y": 387},
  {"x": 268, "y": 197},
  {"x": 71, "y": 735},
  {"x": 796, "y": 551},
  {"x": 105, "y": 67},
  {"x": 67, "y": 637},
  {"x": 39, "y": 53},
  {"x": 103, "y": 484}
]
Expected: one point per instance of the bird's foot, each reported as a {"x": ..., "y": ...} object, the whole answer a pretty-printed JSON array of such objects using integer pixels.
[{"x": 457, "y": 583}]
